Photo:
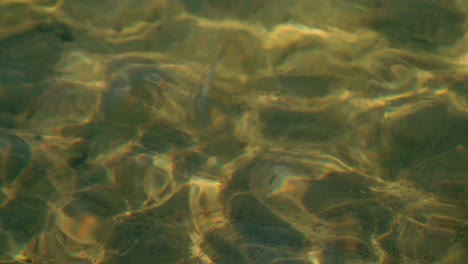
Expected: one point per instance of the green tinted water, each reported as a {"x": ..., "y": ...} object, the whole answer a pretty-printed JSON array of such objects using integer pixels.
[{"x": 235, "y": 132}]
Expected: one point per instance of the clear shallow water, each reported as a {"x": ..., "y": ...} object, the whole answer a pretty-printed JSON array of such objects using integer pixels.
[{"x": 233, "y": 132}]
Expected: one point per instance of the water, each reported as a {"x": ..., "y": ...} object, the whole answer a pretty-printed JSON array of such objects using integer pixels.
[{"x": 235, "y": 132}]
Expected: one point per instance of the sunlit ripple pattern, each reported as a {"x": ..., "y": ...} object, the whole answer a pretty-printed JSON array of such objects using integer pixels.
[{"x": 246, "y": 131}]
